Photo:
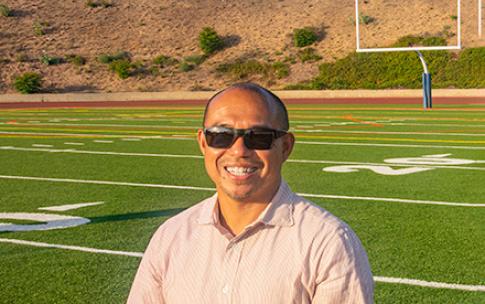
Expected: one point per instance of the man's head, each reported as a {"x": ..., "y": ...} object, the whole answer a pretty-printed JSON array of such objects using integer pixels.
[{"x": 242, "y": 173}]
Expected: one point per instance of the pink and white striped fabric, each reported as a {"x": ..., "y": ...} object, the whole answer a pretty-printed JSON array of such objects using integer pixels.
[{"x": 295, "y": 252}]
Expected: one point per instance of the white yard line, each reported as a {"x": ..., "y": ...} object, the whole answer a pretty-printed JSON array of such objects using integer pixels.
[
  {"x": 131, "y": 139},
  {"x": 429, "y": 284},
  {"x": 192, "y": 138},
  {"x": 383, "y": 132},
  {"x": 388, "y": 145},
  {"x": 74, "y": 143},
  {"x": 103, "y": 141},
  {"x": 307, "y": 161},
  {"x": 42, "y": 146},
  {"x": 74, "y": 248},
  {"x": 70, "y": 206},
  {"x": 106, "y": 125},
  {"x": 114, "y": 183},
  {"x": 140, "y": 254}
]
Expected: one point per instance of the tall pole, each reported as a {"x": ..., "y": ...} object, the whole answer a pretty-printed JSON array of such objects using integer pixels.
[{"x": 427, "y": 99}]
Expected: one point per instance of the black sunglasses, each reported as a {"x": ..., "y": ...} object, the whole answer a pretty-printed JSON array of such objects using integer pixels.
[{"x": 254, "y": 138}]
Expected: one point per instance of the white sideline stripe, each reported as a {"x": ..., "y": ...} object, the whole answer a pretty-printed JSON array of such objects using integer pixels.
[
  {"x": 429, "y": 284},
  {"x": 74, "y": 143},
  {"x": 292, "y": 129},
  {"x": 385, "y": 132},
  {"x": 140, "y": 254},
  {"x": 131, "y": 139},
  {"x": 388, "y": 145},
  {"x": 192, "y": 138},
  {"x": 297, "y": 129},
  {"x": 42, "y": 146},
  {"x": 103, "y": 141},
  {"x": 364, "y": 198},
  {"x": 69, "y": 247},
  {"x": 96, "y": 135},
  {"x": 70, "y": 206},
  {"x": 305, "y": 161}
]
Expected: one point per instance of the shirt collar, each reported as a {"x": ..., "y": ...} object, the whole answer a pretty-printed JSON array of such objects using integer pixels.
[{"x": 279, "y": 211}]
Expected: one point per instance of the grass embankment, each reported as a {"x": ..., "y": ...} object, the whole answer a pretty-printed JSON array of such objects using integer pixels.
[{"x": 465, "y": 69}]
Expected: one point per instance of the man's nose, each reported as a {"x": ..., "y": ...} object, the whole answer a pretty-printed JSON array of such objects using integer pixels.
[{"x": 238, "y": 148}]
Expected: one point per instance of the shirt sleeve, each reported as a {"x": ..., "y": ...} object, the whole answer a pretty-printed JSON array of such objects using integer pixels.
[
  {"x": 343, "y": 272},
  {"x": 147, "y": 285}
]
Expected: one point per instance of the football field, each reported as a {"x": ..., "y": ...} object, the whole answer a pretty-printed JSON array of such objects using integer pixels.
[{"x": 83, "y": 189}]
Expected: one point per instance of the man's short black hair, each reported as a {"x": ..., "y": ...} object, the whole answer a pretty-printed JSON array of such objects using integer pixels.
[{"x": 265, "y": 93}]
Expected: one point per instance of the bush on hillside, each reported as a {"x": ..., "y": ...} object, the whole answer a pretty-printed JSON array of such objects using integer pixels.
[
  {"x": 164, "y": 61},
  {"x": 304, "y": 36},
  {"x": 28, "y": 83},
  {"x": 209, "y": 41},
  {"x": 48, "y": 60},
  {"x": 108, "y": 58},
  {"x": 76, "y": 59},
  {"x": 308, "y": 54},
  {"x": 5, "y": 10},
  {"x": 122, "y": 68},
  {"x": 242, "y": 69}
]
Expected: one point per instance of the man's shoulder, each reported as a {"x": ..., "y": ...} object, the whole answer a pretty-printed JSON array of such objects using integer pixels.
[
  {"x": 314, "y": 217},
  {"x": 190, "y": 216}
]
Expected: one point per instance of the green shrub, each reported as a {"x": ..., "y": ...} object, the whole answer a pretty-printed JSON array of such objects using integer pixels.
[
  {"x": 209, "y": 41},
  {"x": 186, "y": 66},
  {"x": 39, "y": 28},
  {"x": 76, "y": 59},
  {"x": 365, "y": 19},
  {"x": 304, "y": 36},
  {"x": 48, "y": 60},
  {"x": 122, "y": 68},
  {"x": 108, "y": 58},
  {"x": 164, "y": 61},
  {"x": 280, "y": 69},
  {"x": 28, "y": 83},
  {"x": 241, "y": 69},
  {"x": 5, "y": 10},
  {"x": 195, "y": 59},
  {"x": 308, "y": 54},
  {"x": 102, "y": 3}
]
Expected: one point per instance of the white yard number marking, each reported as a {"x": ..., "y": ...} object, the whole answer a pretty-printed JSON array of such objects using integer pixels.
[
  {"x": 48, "y": 221},
  {"x": 430, "y": 160},
  {"x": 384, "y": 170}
]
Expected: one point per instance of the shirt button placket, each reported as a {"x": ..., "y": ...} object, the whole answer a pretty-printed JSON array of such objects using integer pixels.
[{"x": 230, "y": 267}]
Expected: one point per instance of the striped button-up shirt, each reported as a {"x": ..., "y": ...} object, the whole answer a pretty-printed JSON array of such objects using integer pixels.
[{"x": 295, "y": 252}]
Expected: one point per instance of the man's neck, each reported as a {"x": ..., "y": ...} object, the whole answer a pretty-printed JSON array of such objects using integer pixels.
[{"x": 235, "y": 216}]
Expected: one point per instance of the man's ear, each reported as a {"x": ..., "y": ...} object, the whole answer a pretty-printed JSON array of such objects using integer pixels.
[
  {"x": 288, "y": 144},
  {"x": 201, "y": 141}
]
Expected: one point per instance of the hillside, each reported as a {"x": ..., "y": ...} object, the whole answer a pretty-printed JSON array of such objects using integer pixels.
[{"x": 260, "y": 30}]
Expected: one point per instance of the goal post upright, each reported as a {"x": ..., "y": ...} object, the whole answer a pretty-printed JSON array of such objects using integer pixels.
[{"x": 426, "y": 76}]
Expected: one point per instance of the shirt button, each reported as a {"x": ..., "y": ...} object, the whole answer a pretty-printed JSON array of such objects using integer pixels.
[{"x": 225, "y": 290}]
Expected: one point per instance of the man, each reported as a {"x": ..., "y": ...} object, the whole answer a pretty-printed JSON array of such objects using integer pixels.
[{"x": 254, "y": 241}]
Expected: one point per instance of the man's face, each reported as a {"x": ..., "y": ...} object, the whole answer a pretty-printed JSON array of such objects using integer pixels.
[{"x": 243, "y": 174}]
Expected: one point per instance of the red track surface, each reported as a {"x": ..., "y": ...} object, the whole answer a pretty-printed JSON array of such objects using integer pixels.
[{"x": 157, "y": 103}]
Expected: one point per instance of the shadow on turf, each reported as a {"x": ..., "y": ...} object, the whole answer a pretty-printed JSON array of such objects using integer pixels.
[{"x": 135, "y": 216}]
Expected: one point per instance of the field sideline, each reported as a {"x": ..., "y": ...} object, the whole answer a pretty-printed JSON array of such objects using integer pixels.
[{"x": 83, "y": 188}]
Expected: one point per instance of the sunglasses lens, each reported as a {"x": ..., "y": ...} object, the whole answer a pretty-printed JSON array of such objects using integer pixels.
[
  {"x": 259, "y": 140},
  {"x": 219, "y": 138}
]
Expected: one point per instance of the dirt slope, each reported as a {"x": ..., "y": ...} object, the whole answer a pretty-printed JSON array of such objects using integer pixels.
[{"x": 253, "y": 29}]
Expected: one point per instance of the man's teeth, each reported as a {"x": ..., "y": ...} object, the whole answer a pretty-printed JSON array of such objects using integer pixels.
[{"x": 239, "y": 171}]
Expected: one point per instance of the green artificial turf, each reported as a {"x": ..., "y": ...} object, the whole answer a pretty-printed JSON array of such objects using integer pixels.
[{"x": 149, "y": 147}]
